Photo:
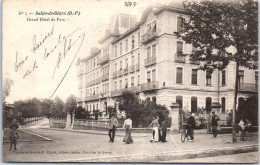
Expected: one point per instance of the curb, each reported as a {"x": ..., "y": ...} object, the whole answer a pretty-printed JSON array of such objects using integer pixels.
[
  {"x": 45, "y": 138},
  {"x": 95, "y": 133},
  {"x": 175, "y": 155}
]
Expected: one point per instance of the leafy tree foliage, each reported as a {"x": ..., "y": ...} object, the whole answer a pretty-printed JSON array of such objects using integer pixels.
[
  {"x": 70, "y": 104},
  {"x": 141, "y": 112},
  {"x": 81, "y": 113},
  {"x": 57, "y": 108}
]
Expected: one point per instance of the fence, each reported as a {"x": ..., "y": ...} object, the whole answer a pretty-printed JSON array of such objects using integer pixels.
[{"x": 31, "y": 120}]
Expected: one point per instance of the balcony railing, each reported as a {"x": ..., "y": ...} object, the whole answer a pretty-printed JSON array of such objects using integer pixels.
[
  {"x": 125, "y": 71},
  {"x": 103, "y": 60},
  {"x": 179, "y": 58},
  {"x": 248, "y": 87},
  {"x": 131, "y": 69},
  {"x": 87, "y": 84},
  {"x": 149, "y": 86},
  {"x": 79, "y": 99},
  {"x": 115, "y": 74},
  {"x": 119, "y": 73},
  {"x": 137, "y": 67},
  {"x": 93, "y": 97},
  {"x": 150, "y": 36},
  {"x": 149, "y": 61},
  {"x": 105, "y": 77},
  {"x": 120, "y": 91},
  {"x": 194, "y": 62}
]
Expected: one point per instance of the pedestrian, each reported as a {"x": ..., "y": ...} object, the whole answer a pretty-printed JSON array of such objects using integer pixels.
[
  {"x": 128, "y": 126},
  {"x": 112, "y": 128},
  {"x": 163, "y": 129},
  {"x": 13, "y": 136},
  {"x": 242, "y": 128},
  {"x": 155, "y": 133},
  {"x": 214, "y": 124},
  {"x": 190, "y": 126}
]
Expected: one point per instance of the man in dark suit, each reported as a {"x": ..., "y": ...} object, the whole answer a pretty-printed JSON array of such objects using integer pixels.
[{"x": 112, "y": 128}]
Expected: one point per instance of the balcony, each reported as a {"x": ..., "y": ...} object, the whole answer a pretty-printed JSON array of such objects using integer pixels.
[
  {"x": 149, "y": 61},
  {"x": 125, "y": 71},
  {"x": 137, "y": 67},
  {"x": 117, "y": 92},
  {"x": 105, "y": 77},
  {"x": 194, "y": 62},
  {"x": 248, "y": 87},
  {"x": 120, "y": 91},
  {"x": 150, "y": 36},
  {"x": 87, "y": 84},
  {"x": 115, "y": 75},
  {"x": 131, "y": 69},
  {"x": 103, "y": 60},
  {"x": 179, "y": 58},
  {"x": 134, "y": 88},
  {"x": 119, "y": 73},
  {"x": 79, "y": 99},
  {"x": 93, "y": 97},
  {"x": 149, "y": 86}
]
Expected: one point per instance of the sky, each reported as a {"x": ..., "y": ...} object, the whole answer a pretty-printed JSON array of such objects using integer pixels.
[{"x": 40, "y": 52}]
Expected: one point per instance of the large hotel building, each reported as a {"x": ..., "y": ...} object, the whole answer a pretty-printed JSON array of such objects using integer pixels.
[{"x": 144, "y": 57}]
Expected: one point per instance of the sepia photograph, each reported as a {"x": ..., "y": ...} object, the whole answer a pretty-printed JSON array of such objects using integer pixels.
[{"x": 134, "y": 81}]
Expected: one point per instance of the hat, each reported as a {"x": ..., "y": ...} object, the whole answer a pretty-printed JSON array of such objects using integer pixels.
[{"x": 213, "y": 111}]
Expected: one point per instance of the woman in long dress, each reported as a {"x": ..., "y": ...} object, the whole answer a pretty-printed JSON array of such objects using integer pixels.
[
  {"x": 155, "y": 124},
  {"x": 128, "y": 126}
]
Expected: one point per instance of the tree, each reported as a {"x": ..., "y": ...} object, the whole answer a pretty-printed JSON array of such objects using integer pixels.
[
  {"x": 222, "y": 33},
  {"x": 71, "y": 104},
  {"x": 57, "y": 108},
  {"x": 7, "y": 84}
]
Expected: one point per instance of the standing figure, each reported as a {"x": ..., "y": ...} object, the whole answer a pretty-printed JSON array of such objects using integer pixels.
[
  {"x": 128, "y": 126},
  {"x": 164, "y": 130},
  {"x": 13, "y": 137},
  {"x": 242, "y": 128},
  {"x": 112, "y": 128},
  {"x": 214, "y": 124},
  {"x": 190, "y": 126},
  {"x": 155, "y": 124}
]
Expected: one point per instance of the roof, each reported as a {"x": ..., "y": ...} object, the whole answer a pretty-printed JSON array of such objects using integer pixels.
[{"x": 93, "y": 52}]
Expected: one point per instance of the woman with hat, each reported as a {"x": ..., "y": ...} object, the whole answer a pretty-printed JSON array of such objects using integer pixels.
[{"x": 128, "y": 126}]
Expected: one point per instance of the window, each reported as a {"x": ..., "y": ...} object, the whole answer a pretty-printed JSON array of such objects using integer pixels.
[
  {"x": 120, "y": 65},
  {"x": 179, "y": 75},
  {"x": 149, "y": 52},
  {"x": 154, "y": 51},
  {"x": 94, "y": 62},
  {"x": 120, "y": 84},
  {"x": 132, "y": 60},
  {"x": 154, "y": 99},
  {"x": 126, "y": 83},
  {"x": 208, "y": 77},
  {"x": 115, "y": 67},
  {"x": 115, "y": 85},
  {"x": 115, "y": 51},
  {"x": 120, "y": 48},
  {"x": 256, "y": 79},
  {"x": 133, "y": 42},
  {"x": 138, "y": 80},
  {"x": 179, "y": 57},
  {"x": 149, "y": 76},
  {"x": 241, "y": 78},
  {"x": 132, "y": 81},
  {"x": 179, "y": 27},
  {"x": 138, "y": 60},
  {"x": 97, "y": 91},
  {"x": 153, "y": 75},
  {"x": 126, "y": 63},
  {"x": 194, "y": 76},
  {"x": 126, "y": 45},
  {"x": 208, "y": 104},
  {"x": 179, "y": 100},
  {"x": 138, "y": 38},
  {"x": 194, "y": 104},
  {"x": 223, "y": 77},
  {"x": 223, "y": 104}
]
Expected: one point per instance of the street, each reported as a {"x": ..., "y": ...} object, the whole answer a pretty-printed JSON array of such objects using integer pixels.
[{"x": 39, "y": 143}]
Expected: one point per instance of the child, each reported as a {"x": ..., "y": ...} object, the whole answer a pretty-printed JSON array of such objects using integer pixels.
[{"x": 13, "y": 137}]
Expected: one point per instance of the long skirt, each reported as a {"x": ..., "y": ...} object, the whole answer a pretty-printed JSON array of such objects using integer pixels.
[
  {"x": 128, "y": 139},
  {"x": 155, "y": 134}
]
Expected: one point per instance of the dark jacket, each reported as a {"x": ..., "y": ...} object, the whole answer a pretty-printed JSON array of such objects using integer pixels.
[
  {"x": 191, "y": 122},
  {"x": 164, "y": 125},
  {"x": 215, "y": 120}
]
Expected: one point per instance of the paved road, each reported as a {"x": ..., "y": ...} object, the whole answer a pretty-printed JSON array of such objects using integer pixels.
[
  {"x": 71, "y": 146},
  {"x": 251, "y": 157}
]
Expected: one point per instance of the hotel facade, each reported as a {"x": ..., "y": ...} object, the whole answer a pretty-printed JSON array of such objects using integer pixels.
[{"x": 144, "y": 57}]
